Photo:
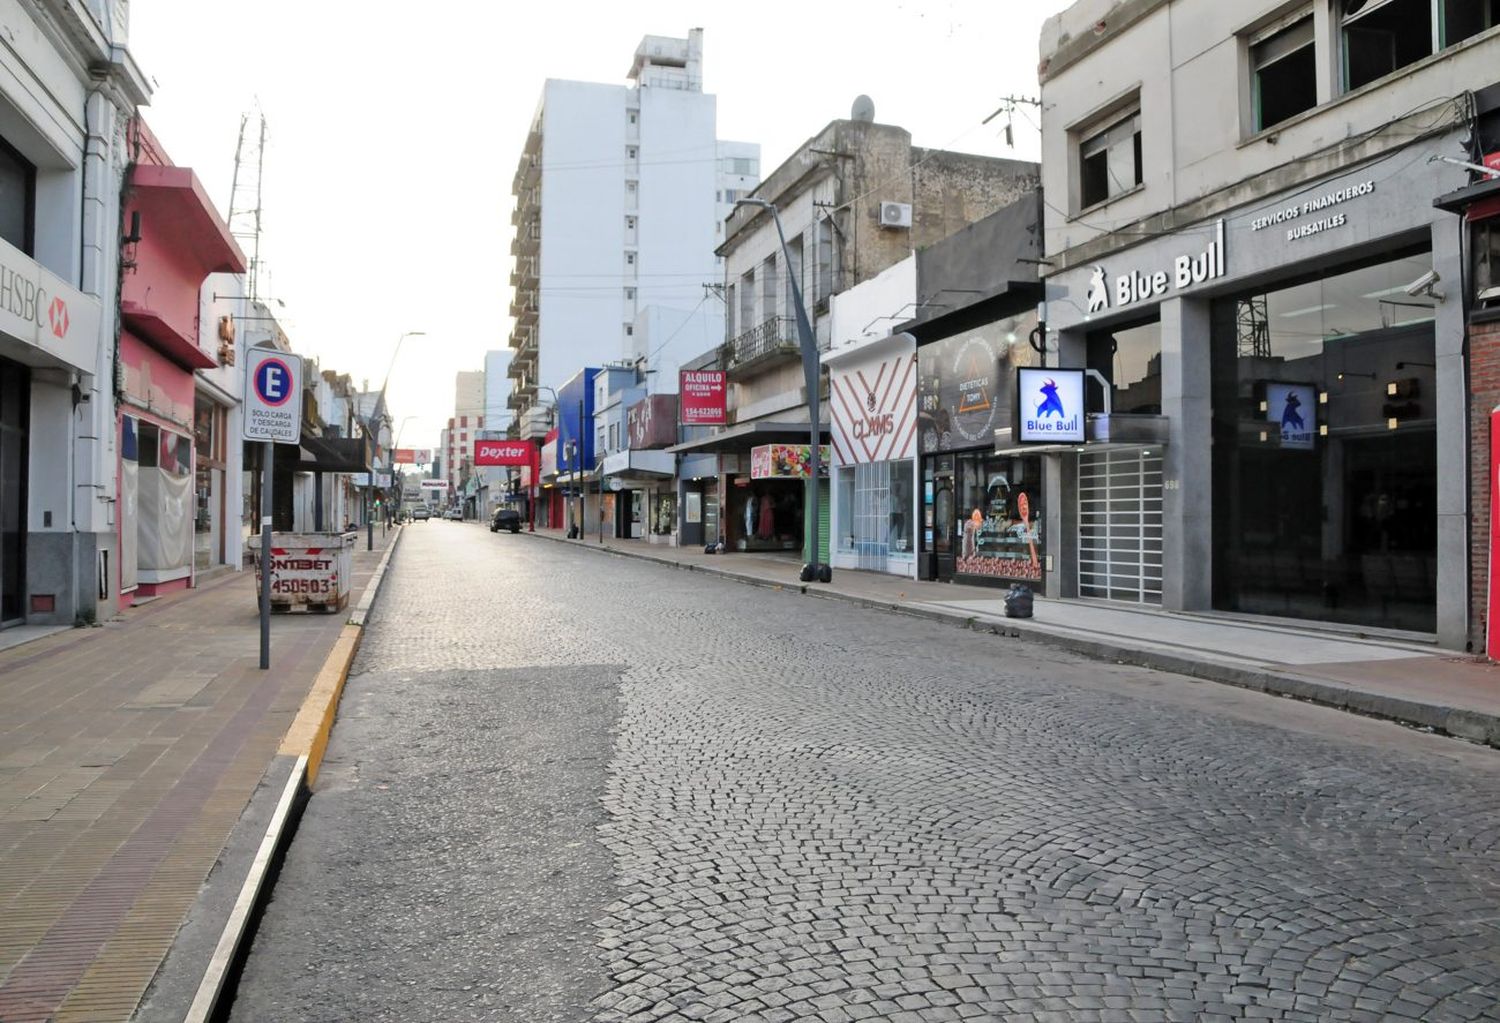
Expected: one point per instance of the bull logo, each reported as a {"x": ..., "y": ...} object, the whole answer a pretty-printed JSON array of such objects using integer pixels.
[
  {"x": 1291, "y": 419},
  {"x": 1098, "y": 291},
  {"x": 1051, "y": 402}
]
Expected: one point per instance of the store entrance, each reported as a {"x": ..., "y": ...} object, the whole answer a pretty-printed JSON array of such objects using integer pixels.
[
  {"x": 938, "y": 517},
  {"x": 15, "y": 399}
]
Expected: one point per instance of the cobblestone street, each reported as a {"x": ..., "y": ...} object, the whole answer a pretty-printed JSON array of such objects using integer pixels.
[{"x": 568, "y": 786}]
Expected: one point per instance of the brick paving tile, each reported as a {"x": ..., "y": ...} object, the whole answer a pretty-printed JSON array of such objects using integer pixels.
[{"x": 127, "y": 754}]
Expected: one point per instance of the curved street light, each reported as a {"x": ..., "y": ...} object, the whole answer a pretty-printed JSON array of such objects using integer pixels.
[{"x": 812, "y": 570}]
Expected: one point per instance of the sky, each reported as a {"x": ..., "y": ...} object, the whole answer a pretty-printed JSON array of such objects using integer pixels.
[{"x": 394, "y": 131}]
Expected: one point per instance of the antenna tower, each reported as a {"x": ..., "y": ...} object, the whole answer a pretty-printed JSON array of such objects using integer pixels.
[
  {"x": 244, "y": 198},
  {"x": 1253, "y": 329}
]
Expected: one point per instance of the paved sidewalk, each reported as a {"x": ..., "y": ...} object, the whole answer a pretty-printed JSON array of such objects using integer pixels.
[
  {"x": 127, "y": 754},
  {"x": 1403, "y": 681}
]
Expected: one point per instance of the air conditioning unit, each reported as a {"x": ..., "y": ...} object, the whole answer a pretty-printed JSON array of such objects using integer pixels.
[{"x": 895, "y": 214}]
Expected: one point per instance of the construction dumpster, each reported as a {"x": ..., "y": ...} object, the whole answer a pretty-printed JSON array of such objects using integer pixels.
[{"x": 310, "y": 572}]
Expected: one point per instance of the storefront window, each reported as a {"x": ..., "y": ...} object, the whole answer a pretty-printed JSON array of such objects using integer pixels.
[
  {"x": 665, "y": 519},
  {"x": 1325, "y": 477},
  {"x": 1130, "y": 359},
  {"x": 875, "y": 501},
  {"x": 998, "y": 517}
]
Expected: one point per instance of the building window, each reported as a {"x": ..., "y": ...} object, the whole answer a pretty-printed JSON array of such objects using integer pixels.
[
  {"x": 793, "y": 274},
  {"x": 1284, "y": 78},
  {"x": 630, "y": 259},
  {"x": 747, "y": 302},
  {"x": 630, "y": 294},
  {"x": 17, "y": 198},
  {"x": 729, "y": 313},
  {"x": 1110, "y": 160},
  {"x": 631, "y": 152},
  {"x": 630, "y": 223},
  {"x": 740, "y": 165},
  {"x": 1487, "y": 263},
  {"x": 1380, "y": 36},
  {"x": 630, "y": 187},
  {"x": 614, "y": 436},
  {"x": 824, "y": 281},
  {"x": 632, "y": 116},
  {"x": 629, "y": 330},
  {"x": 1465, "y": 18},
  {"x": 768, "y": 302}
]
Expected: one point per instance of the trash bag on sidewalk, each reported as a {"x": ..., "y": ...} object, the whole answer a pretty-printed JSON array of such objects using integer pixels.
[{"x": 1018, "y": 602}]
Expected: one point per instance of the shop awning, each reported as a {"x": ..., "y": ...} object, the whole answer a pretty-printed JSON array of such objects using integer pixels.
[
  {"x": 662, "y": 464},
  {"x": 331, "y": 454},
  {"x": 151, "y": 327},
  {"x": 741, "y": 437},
  {"x": 174, "y": 204},
  {"x": 1461, "y": 200}
]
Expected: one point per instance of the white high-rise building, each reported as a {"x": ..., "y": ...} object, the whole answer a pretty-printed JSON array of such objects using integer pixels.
[{"x": 627, "y": 185}]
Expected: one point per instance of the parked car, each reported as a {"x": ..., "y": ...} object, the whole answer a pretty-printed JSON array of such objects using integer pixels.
[
  {"x": 454, "y": 514},
  {"x": 420, "y": 514},
  {"x": 506, "y": 518}
]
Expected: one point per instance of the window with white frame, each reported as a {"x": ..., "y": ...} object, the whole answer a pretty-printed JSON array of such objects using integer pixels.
[
  {"x": 1109, "y": 158},
  {"x": 729, "y": 308},
  {"x": 1377, "y": 37},
  {"x": 1283, "y": 73}
]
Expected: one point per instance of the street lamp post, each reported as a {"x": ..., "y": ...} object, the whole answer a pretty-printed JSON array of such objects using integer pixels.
[
  {"x": 377, "y": 416},
  {"x": 812, "y": 570}
]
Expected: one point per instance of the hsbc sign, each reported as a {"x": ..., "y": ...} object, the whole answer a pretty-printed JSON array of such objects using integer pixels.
[
  {"x": 41, "y": 309},
  {"x": 503, "y": 452}
]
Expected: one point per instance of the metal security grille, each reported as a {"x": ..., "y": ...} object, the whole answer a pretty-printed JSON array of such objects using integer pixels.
[
  {"x": 1119, "y": 526},
  {"x": 872, "y": 512}
]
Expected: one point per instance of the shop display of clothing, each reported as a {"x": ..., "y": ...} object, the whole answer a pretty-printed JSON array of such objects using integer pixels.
[{"x": 766, "y": 525}]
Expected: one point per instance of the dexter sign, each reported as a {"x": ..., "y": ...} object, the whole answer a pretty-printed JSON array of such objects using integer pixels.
[{"x": 503, "y": 452}]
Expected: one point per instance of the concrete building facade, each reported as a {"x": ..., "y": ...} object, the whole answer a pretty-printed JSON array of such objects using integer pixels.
[
  {"x": 1241, "y": 241},
  {"x": 855, "y": 200},
  {"x": 70, "y": 87}
]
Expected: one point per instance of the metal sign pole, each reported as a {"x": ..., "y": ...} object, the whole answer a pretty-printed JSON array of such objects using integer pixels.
[{"x": 267, "y": 458}]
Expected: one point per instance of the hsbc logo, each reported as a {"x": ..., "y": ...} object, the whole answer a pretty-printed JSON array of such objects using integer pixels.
[{"x": 58, "y": 315}]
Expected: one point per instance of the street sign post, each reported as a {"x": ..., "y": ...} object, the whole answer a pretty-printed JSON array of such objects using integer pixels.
[{"x": 273, "y": 414}]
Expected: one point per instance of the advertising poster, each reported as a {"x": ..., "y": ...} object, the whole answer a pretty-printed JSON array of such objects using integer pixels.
[
  {"x": 1293, "y": 408},
  {"x": 963, "y": 392},
  {"x": 703, "y": 397},
  {"x": 1050, "y": 406}
]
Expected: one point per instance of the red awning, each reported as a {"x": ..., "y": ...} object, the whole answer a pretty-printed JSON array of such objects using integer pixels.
[
  {"x": 172, "y": 201},
  {"x": 161, "y": 335}
]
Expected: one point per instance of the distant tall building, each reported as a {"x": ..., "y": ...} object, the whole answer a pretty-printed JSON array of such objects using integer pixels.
[
  {"x": 468, "y": 393},
  {"x": 496, "y": 385},
  {"x": 628, "y": 184}
]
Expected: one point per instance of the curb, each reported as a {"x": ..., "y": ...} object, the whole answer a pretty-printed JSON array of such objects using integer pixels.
[
  {"x": 307, "y": 740},
  {"x": 1472, "y": 725}
]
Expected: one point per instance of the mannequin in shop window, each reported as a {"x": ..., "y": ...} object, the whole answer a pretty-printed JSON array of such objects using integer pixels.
[{"x": 765, "y": 527}]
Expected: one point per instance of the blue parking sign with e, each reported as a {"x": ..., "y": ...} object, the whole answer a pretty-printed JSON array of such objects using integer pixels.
[
  {"x": 273, "y": 382},
  {"x": 273, "y": 401}
]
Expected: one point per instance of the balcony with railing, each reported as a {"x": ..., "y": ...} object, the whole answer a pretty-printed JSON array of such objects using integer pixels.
[{"x": 758, "y": 349}]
